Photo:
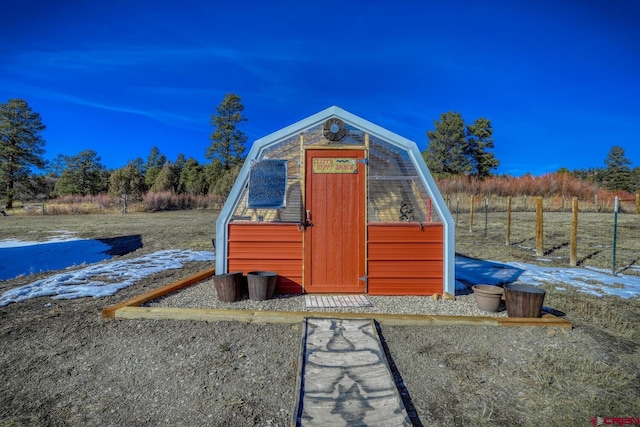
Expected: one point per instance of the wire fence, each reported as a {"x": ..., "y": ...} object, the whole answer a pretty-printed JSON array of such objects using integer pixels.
[{"x": 562, "y": 232}]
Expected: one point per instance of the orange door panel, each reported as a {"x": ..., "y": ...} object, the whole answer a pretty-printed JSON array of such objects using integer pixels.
[{"x": 334, "y": 198}]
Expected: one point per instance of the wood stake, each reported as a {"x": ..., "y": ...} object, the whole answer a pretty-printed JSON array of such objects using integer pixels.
[
  {"x": 539, "y": 231},
  {"x": 471, "y": 216},
  {"x": 508, "y": 237},
  {"x": 573, "y": 261}
]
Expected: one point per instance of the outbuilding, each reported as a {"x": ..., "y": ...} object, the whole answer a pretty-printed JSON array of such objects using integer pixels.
[{"x": 336, "y": 204}]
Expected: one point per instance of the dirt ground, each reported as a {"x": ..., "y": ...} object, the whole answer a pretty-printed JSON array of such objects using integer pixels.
[{"x": 62, "y": 365}]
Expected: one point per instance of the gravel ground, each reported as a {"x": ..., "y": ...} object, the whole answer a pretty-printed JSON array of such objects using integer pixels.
[
  {"x": 203, "y": 295},
  {"x": 62, "y": 365}
]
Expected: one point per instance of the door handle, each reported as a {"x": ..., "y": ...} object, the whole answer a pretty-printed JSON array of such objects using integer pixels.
[{"x": 308, "y": 219}]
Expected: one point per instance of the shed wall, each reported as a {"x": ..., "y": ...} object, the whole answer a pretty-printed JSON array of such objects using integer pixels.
[
  {"x": 405, "y": 259},
  {"x": 268, "y": 247}
]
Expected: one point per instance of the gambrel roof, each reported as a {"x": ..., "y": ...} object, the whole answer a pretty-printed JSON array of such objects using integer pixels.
[{"x": 397, "y": 172}]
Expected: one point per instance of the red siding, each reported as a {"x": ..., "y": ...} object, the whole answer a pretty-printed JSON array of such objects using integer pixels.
[
  {"x": 404, "y": 259},
  {"x": 268, "y": 247}
]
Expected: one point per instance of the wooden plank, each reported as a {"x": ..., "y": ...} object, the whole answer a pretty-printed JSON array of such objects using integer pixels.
[
  {"x": 289, "y": 317},
  {"x": 109, "y": 312}
]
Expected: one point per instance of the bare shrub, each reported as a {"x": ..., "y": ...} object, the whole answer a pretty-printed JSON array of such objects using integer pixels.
[
  {"x": 556, "y": 188},
  {"x": 168, "y": 200}
]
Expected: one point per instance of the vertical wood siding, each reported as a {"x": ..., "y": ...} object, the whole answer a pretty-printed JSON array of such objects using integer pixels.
[
  {"x": 404, "y": 259},
  {"x": 268, "y": 247}
]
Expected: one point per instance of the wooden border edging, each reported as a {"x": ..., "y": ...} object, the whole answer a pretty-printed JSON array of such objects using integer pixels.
[
  {"x": 289, "y": 317},
  {"x": 130, "y": 309},
  {"x": 109, "y": 312}
]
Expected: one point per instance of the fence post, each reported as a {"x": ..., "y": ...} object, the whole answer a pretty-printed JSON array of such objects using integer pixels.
[
  {"x": 539, "y": 231},
  {"x": 457, "y": 208},
  {"x": 471, "y": 215},
  {"x": 508, "y": 237},
  {"x": 638, "y": 203},
  {"x": 573, "y": 260},
  {"x": 615, "y": 233},
  {"x": 486, "y": 215}
]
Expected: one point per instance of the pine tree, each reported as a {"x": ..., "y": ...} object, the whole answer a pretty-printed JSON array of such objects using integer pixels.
[
  {"x": 227, "y": 141},
  {"x": 617, "y": 175},
  {"x": 155, "y": 163},
  {"x": 168, "y": 179},
  {"x": 456, "y": 149},
  {"x": 446, "y": 153},
  {"x": 21, "y": 145},
  {"x": 479, "y": 141},
  {"x": 84, "y": 174},
  {"x": 127, "y": 181}
]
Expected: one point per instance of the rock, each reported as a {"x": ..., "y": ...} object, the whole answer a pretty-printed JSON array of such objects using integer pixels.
[{"x": 448, "y": 297}]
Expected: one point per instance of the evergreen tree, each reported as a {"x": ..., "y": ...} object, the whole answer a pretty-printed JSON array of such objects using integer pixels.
[
  {"x": 193, "y": 179},
  {"x": 617, "y": 175},
  {"x": 457, "y": 149},
  {"x": 83, "y": 174},
  {"x": 168, "y": 179},
  {"x": 21, "y": 146},
  {"x": 479, "y": 142},
  {"x": 180, "y": 161},
  {"x": 225, "y": 181},
  {"x": 446, "y": 153},
  {"x": 155, "y": 162},
  {"x": 227, "y": 140},
  {"x": 127, "y": 181}
]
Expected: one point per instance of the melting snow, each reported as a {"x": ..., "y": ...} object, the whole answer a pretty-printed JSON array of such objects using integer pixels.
[
  {"x": 103, "y": 279},
  {"x": 107, "y": 278}
]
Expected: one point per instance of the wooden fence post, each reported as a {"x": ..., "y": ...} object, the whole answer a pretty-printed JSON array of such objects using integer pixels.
[
  {"x": 471, "y": 215},
  {"x": 539, "y": 231},
  {"x": 508, "y": 237},
  {"x": 573, "y": 260},
  {"x": 638, "y": 203}
]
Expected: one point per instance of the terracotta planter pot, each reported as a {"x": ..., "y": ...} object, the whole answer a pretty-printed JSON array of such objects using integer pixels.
[
  {"x": 488, "y": 297},
  {"x": 229, "y": 286}
]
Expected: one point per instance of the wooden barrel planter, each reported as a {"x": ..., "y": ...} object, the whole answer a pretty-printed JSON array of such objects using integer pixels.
[
  {"x": 229, "y": 286},
  {"x": 261, "y": 284},
  {"x": 523, "y": 300}
]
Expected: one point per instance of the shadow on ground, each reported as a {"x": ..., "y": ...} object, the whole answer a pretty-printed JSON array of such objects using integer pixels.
[{"x": 122, "y": 245}]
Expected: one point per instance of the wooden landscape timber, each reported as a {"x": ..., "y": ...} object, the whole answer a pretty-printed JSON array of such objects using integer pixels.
[
  {"x": 131, "y": 309},
  {"x": 109, "y": 312}
]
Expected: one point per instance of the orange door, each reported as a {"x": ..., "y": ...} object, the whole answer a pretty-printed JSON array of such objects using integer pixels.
[{"x": 334, "y": 198}]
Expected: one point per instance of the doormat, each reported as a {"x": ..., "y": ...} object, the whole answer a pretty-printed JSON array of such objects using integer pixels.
[{"x": 330, "y": 301}]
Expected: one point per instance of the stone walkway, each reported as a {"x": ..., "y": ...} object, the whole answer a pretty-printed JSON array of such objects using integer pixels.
[{"x": 345, "y": 378}]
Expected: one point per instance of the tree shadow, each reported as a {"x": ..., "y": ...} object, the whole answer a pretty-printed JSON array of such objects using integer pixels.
[
  {"x": 591, "y": 255},
  {"x": 122, "y": 245},
  {"x": 397, "y": 378},
  {"x": 555, "y": 248}
]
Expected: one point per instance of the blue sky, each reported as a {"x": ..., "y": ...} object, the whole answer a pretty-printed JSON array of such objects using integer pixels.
[{"x": 560, "y": 80}]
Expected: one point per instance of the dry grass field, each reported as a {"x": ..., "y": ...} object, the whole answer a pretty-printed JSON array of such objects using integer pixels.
[
  {"x": 61, "y": 364},
  {"x": 595, "y": 238}
]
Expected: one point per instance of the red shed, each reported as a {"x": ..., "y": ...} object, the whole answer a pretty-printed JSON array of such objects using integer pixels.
[{"x": 336, "y": 204}]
